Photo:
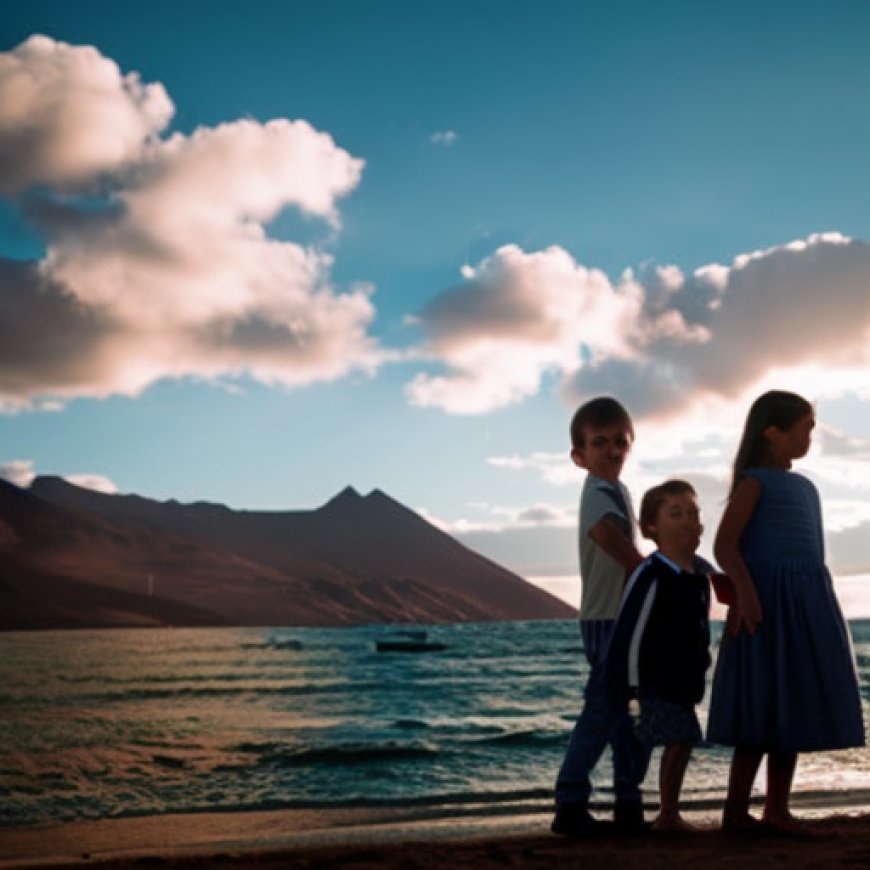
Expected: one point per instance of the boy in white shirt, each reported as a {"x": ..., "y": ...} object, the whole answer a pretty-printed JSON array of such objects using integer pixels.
[{"x": 601, "y": 438}]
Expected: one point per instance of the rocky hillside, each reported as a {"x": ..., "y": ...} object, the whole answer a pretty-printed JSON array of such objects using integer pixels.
[{"x": 72, "y": 557}]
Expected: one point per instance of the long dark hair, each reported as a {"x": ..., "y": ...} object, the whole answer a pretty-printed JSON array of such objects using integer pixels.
[{"x": 776, "y": 408}]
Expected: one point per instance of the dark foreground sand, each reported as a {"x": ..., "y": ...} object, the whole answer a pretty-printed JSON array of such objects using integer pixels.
[{"x": 359, "y": 840}]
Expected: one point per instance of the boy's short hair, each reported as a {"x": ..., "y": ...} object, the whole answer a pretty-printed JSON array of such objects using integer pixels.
[
  {"x": 596, "y": 414},
  {"x": 654, "y": 498}
]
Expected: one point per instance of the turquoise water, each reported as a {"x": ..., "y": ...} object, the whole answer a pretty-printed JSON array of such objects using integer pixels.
[{"x": 109, "y": 723}]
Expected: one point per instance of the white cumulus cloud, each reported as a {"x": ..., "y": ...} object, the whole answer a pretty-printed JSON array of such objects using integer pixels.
[
  {"x": 22, "y": 472},
  {"x": 516, "y": 316},
  {"x": 17, "y": 471},
  {"x": 97, "y": 482},
  {"x": 67, "y": 113},
  {"x": 163, "y": 266},
  {"x": 663, "y": 341}
]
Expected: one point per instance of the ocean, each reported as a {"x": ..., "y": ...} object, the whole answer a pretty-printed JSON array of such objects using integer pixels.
[{"x": 113, "y": 723}]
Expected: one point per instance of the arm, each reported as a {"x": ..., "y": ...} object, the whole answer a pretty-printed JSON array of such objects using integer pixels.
[
  {"x": 607, "y": 534},
  {"x": 746, "y": 611}
]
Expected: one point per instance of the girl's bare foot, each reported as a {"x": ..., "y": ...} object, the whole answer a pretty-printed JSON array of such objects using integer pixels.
[
  {"x": 787, "y": 825},
  {"x": 669, "y": 824},
  {"x": 742, "y": 824}
]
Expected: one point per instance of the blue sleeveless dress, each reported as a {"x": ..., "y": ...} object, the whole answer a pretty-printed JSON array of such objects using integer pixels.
[{"x": 792, "y": 686}]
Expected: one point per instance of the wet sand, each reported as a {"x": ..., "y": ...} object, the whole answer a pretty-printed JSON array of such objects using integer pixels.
[{"x": 396, "y": 838}]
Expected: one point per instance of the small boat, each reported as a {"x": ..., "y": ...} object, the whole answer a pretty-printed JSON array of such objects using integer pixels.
[{"x": 408, "y": 640}]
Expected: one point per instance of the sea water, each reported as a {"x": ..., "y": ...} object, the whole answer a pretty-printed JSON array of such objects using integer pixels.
[{"x": 111, "y": 723}]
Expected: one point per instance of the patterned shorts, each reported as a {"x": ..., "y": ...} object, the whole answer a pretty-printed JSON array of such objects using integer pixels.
[{"x": 663, "y": 722}]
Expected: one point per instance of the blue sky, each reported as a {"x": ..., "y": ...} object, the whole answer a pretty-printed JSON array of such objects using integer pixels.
[{"x": 491, "y": 211}]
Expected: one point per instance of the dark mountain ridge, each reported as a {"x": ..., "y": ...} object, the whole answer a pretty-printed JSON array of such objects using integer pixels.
[{"x": 355, "y": 560}]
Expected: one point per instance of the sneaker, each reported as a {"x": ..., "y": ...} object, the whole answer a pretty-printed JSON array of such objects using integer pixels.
[
  {"x": 628, "y": 818},
  {"x": 574, "y": 820}
]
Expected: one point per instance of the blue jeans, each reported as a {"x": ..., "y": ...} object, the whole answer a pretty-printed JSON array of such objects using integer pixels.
[{"x": 601, "y": 723}]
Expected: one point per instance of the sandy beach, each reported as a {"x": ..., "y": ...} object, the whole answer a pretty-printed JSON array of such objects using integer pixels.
[{"x": 398, "y": 838}]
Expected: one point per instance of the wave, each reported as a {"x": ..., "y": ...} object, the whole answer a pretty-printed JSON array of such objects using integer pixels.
[
  {"x": 276, "y": 756},
  {"x": 431, "y": 806},
  {"x": 456, "y": 728},
  {"x": 188, "y": 691},
  {"x": 441, "y": 740},
  {"x": 522, "y": 739},
  {"x": 127, "y": 728},
  {"x": 410, "y": 725}
]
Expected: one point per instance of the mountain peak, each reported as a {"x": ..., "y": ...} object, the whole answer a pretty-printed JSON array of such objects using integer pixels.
[
  {"x": 46, "y": 485},
  {"x": 378, "y": 497},
  {"x": 348, "y": 497},
  {"x": 43, "y": 480}
]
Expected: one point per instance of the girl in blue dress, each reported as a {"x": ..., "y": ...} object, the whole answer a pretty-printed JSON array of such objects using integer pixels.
[{"x": 785, "y": 680}]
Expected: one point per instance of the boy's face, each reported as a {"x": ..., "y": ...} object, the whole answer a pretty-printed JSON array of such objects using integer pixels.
[
  {"x": 604, "y": 452},
  {"x": 678, "y": 528}
]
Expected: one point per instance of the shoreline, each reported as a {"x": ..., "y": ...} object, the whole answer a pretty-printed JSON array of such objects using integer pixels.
[{"x": 406, "y": 837}]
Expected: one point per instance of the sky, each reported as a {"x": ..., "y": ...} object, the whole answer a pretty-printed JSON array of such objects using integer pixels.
[{"x": 255, "y": 256}]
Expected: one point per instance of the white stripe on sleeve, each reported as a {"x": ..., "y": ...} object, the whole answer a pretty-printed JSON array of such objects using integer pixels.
[{"x": 637, "y": 636}]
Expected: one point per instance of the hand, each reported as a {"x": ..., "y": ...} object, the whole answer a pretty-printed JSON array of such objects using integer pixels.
[
  {"x": 745, "y": 613},
  {"x": 723, "y": 588}
]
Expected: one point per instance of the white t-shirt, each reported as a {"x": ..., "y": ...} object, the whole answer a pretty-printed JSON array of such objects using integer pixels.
[{"x": 601, "y": 577}]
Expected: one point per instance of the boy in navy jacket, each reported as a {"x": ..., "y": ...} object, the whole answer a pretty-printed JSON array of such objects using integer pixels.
[{"x": 660, "y": 648}]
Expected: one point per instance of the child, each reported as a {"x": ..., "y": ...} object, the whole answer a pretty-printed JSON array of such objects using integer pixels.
[
  {"x": 785, "y": 680},
  {"x": 660, "y": 648},
  {"x": 601, "y": 437}
]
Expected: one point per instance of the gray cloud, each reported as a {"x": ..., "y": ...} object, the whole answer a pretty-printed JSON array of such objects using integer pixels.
[
  {"x": 798, "y": 304},
  {"x": 47, "y": 336},
  {"x": 542, "y": 515},
  {"x": 848, "y": 552},
  {"x": 836, "y": 443}
]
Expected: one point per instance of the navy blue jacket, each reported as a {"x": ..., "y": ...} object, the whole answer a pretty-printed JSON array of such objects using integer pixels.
[{"x": 661, "y": 640}]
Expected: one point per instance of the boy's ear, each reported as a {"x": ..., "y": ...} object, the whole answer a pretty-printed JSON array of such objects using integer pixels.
[{"x": 577, "y": 457}]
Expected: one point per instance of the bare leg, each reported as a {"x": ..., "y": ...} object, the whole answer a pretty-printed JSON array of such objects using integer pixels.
[
  {"x": 780, "y": 772},
  {"x": 675, "y": 758},
  {"x": 744, "y": 767}
]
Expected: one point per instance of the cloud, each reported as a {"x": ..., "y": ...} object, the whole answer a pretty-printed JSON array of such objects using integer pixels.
[
  {"x": 837, "y": 443},
  {"x": 97, "y": 482},
  {"x": 17, "y": 471},
  {"x": 848, "y": 550},
  {"x": 499, "y": 518},
  {"x": 517, "y": 316},
  {"x": 554, "y": 468},
  {"x": 159, "y": 264},
  {"x": 22, "y": 472},
  {"x": 444, "y": 137},
  {"x": 544, "y": 515},
  {"x": 660, "y": 340},
  {"x": 533, "y": 540},
  {"x": 68, "y": 114}
]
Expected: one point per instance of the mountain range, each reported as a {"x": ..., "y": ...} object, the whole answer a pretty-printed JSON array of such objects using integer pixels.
[{"x": 75, "y": 557}]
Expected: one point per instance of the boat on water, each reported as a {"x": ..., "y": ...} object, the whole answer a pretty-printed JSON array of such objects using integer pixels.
[{"x": 408, "y": 640}]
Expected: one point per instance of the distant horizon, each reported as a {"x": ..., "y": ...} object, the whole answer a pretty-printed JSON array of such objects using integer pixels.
[{"x": 851, "y": 592}]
